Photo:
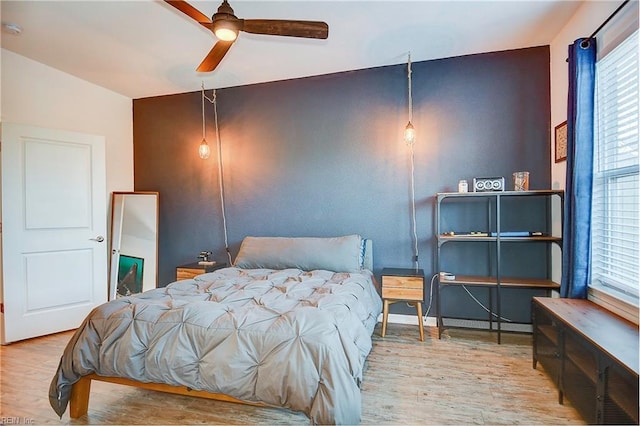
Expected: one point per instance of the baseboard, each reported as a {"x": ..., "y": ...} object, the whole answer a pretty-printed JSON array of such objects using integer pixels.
[
  {"x": 484, "y": 325},
  {"x": 408, "y": 319},
  {"x": 451, "y": 322}
]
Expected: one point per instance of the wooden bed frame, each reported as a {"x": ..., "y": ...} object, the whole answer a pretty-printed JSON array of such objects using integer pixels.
[{"x": 79, "y": 402}]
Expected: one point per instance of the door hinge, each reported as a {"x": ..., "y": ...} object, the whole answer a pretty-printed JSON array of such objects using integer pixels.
[{"x": 2, "y": 308}]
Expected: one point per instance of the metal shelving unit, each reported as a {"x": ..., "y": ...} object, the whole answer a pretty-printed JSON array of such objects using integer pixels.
[{"x": 491, "y": 205}]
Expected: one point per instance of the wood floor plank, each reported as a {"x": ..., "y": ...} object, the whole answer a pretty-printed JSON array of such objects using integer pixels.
[{"x": 464, "y": 378}]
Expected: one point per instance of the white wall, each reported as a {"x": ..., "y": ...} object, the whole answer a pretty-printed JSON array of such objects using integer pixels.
[
  {"x": 583, "y": 23},
  {"x": 36, "y": 94}
]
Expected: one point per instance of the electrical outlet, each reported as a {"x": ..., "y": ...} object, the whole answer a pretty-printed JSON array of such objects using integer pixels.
[{"x": 429, "y": 321}]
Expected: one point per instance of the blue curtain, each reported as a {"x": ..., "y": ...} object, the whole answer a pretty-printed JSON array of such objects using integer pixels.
[{"x": 576, "y": 253}]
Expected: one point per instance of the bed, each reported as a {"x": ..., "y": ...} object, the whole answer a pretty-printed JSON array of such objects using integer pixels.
[{"x": 289, "y": 325}]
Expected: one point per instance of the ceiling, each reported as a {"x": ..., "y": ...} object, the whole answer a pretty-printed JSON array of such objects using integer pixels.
[{"x": 143, "y": 48}]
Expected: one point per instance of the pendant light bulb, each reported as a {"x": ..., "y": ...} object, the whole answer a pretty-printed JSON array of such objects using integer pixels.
[
  {"x": 409, "y": 134},
  {"x": 409, "y": 131},
  {"x": 204, "y": 151}
]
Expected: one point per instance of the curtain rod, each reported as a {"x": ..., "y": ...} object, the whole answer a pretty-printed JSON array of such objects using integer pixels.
[
  {"x": 608, "y": 19},
  {"x": 585, "y": 42}
]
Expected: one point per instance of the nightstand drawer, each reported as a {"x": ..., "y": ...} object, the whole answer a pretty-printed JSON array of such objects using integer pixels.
[
  {"x": 402, "y": 293},
  {"x": 185, "y": 274},
  {"x": 402, "y": 282},
  {"x": 405, "y": 288}
]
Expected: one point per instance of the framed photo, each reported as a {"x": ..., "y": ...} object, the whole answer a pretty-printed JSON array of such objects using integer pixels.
[
  {"x": 130, "y": 270},
  {"x": 561, "y": 142}
]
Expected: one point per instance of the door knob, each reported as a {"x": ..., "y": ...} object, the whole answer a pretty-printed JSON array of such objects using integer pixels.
[{"x": 99, "y": 238}]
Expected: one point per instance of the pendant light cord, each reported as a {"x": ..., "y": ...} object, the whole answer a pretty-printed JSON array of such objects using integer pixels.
[
  {"x": 203, "y": 126},
  {"x": 409, "y": 88},
  {"x": 413, "y": 211},
  {"x": 214, "y": 101},
  {"x": 413, "y": 185},
  {"x": 221, "y": 178}
]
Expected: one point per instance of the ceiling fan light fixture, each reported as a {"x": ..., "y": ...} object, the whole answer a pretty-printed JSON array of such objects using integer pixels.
[
  {"x": 225, "y": 31},
  {"x": 224, "y": 23}
]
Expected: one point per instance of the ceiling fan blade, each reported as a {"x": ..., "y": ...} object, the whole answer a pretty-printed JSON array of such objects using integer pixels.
[
  {"x": 190, "y": 11},
  {"x": 281, "y": 27},
  {"x": 215, "y": 56}
]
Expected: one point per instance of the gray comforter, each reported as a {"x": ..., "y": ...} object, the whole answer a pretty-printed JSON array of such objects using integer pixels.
[{"x": 287, "y": 338}]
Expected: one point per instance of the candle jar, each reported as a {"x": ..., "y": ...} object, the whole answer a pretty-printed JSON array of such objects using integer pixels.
[{"x": 521, "y": 181}]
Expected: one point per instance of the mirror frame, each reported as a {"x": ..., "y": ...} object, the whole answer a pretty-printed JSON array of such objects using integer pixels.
[{"x": 114, "y": 253}]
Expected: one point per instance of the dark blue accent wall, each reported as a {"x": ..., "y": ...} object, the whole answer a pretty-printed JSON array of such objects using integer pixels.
[{"x": 324, "y": 156}]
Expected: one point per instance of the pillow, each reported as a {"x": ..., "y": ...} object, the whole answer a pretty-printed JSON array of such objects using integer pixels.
[{"x": 337, "y": 254}]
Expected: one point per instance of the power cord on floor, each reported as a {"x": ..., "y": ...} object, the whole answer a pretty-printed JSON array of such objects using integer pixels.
[
  {"x": 424, "y": 317},
  {"x": 426, "y": 314}
]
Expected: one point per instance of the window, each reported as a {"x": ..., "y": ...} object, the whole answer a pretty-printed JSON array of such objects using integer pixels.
[{"x": 615, "y": 210}]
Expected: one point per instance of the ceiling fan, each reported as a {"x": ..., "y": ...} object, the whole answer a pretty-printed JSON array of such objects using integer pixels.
[{"x": 225, "y": 25}]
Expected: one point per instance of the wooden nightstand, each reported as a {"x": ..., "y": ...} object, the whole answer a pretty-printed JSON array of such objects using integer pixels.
[
  {"x": 190, "y": 270},
  {"x": 402, "y": 285}
]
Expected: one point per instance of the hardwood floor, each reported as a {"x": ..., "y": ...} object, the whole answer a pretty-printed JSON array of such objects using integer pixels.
[{"x": 464, "y": 378}]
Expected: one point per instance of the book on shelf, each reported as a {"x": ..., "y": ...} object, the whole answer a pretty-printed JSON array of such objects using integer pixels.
[
  {"x": 494, "y": 234},
  {"x": 517, "y": 234}
]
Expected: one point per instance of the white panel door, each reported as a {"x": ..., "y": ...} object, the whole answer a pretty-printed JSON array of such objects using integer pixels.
[{"x": 54, "y": 249}]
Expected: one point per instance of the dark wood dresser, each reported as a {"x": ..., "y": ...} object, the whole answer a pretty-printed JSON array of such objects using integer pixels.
[{"x": 592, "y": 356}]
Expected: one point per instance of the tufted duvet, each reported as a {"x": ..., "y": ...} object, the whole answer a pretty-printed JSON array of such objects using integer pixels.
[{"x": 286, "y": 338}]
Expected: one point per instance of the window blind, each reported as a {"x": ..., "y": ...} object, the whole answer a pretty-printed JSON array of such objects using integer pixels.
[{"x": 615, "y": 210}]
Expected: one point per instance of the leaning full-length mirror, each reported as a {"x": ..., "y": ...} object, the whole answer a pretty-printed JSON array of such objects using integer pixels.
[{"x": 134, "y": 243}]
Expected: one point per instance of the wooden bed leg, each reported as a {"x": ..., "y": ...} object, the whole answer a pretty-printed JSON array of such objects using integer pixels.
[{"x": 79, "y": 402}]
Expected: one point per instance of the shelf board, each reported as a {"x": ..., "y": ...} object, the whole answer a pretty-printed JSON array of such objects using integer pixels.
[
  {"x": 472, "y": 280},
  {"x": 584, "y": 361},
  {"x": 447, "y": 238},
  {"x": 550, "y": 332},
  {"x": 501, "y": 193}
]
